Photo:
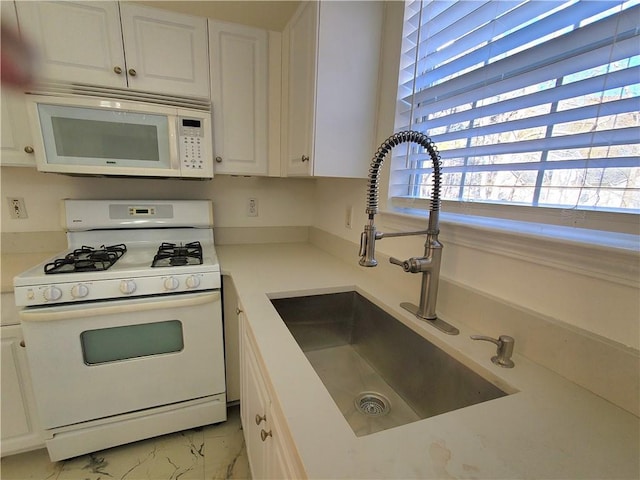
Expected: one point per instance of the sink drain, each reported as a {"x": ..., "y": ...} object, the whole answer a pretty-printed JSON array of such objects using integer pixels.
[{"x": 372, "y": 404}]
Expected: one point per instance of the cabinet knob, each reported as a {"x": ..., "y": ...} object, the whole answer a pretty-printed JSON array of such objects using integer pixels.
[
  {"x": 28, "y": 149},
  {"x": 305, "y": 158},
  {"x": 264, "y": 435},
  {"x": 132, "y": 72},
  {"x": 260, "y": 419},
  {"x": 238, "y": 311},
  {"x": 219, "y": 159},
  {"x": 117, "y": 69},
  {"x": 22, "y": 344}
]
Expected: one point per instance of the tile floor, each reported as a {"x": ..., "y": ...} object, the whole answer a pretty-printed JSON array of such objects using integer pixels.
[{"x": 211, "y": 452}]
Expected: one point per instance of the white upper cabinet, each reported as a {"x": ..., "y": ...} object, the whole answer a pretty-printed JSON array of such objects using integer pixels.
[
  {"x": 16, "y": 143},
  {"x": 119, "y": 45},
  {"x": 78, "y": 42},
  {"x": 300, "y": 37},
  {"x": 331, "y": 58},
  {"x": 239, "y": 95},
  {"x": 166, "y": 52}
]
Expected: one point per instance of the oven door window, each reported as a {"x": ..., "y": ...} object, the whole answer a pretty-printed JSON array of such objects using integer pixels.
[{"x": 131, "y": 341}]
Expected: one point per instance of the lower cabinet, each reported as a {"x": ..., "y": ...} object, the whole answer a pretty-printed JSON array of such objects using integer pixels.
[
  {"x": 20, "y": 428},
  {"x": 269, "y": 449}
]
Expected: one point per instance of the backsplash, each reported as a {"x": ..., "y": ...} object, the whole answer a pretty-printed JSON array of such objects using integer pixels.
[{"x": 281, "y": 201}]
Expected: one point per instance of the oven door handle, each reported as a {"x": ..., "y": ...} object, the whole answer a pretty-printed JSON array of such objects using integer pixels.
[{"x": 65, "y": 312}]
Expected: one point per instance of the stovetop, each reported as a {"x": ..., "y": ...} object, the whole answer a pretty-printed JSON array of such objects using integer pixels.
[
  {"x": 177, "y": 255},
  {"x": 87, "y": 259},
  {"x": 131, "y": 275},
  {"x": 119, "y": 249}
]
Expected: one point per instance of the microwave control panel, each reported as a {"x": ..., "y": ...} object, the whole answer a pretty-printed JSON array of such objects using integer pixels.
[{"x": 191, "y": 140}]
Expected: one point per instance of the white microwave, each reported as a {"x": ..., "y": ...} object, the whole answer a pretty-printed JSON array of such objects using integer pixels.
[{"x": 95, "y": 136}]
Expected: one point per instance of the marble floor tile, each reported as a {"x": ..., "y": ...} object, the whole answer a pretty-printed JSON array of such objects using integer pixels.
[{"x": 211, "y": 452}]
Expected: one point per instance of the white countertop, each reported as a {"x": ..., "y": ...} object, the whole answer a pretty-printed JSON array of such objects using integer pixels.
[{"x": 550, "y": 428}]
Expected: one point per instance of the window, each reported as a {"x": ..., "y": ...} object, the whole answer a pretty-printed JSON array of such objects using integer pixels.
[{"x": 530, "y": 103}]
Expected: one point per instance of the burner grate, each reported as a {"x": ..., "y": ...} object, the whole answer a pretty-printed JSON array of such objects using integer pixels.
[
  {"x": 87, "y": 259},
  {"x": 172, "y": 255}
]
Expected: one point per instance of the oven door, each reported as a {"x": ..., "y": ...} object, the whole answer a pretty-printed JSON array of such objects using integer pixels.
[{"x": 95, "y": 360}]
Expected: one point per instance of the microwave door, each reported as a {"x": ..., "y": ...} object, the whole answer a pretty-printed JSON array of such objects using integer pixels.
[{"x": 86, "y": 140}]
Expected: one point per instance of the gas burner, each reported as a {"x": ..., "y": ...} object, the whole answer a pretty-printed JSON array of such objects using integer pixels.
[
  {"x": 172, "y": 255},
  {"x": 87, "y": 259}
]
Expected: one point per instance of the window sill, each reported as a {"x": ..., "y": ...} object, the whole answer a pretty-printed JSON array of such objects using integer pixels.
[{"x": 607, "y": 255}]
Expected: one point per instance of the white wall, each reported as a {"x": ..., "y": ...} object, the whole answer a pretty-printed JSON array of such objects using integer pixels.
[{"x": 281, "y": 201}]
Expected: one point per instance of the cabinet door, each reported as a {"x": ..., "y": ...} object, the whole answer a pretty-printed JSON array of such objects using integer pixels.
[
  {"x": 254, "y": 408},
  {"x": 78, "y": 42},
  {"x": 239, "y": 85},
  {"x": 17, "y": 146},
  {"x": 282, "y": 463},
  {"x": 166, "y": 52},
  {"x": 301, "y": 41},
  {"x": 20, "y": 430},
  {"x": 15, "y": 142},
  {"x": 347, "y": 87}
]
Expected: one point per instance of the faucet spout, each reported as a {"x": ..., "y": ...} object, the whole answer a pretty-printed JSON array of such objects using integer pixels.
[{"x": 429, "y": 264}]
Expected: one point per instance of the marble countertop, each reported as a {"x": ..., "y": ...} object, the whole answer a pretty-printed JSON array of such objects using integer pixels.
[{"x": 550, "y": 428}]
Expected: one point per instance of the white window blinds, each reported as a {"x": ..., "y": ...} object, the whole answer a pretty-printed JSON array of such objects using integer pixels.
[{"x": 529, "y": 102}]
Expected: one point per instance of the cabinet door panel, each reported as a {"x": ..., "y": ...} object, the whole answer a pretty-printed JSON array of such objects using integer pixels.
[
  {"x": 166, "y": 52},
  {"x": 15, "y": 139},
  {"x": 16, "y": 136},
  {"x": 254, "y": 402},
  {"x": 239, "y": 82},
  {"x": 302, "y": 67},
  {"x": 347, "y": 86},
  {"x": 15, "y": 421},
  {"x": 20, "y": 428},
  {"x": 79, "y": 42},
  {"x": 282, "y": 460}
]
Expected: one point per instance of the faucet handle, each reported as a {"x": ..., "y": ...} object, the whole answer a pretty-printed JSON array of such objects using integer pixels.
[
  {"x": 404, "y": 264},
  {"x": 505, "y": 345}
]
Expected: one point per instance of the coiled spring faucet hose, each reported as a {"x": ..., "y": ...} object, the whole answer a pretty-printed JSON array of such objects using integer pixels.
[{"x": 386, "y": 146}]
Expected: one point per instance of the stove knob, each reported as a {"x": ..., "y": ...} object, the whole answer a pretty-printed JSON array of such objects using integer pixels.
[
  {"x": 127, "y": 286},
  {"x": 80, "y": 290},
  {"x": 170, "y": 283},
  {"x": 52, "y": 293},
  {"x": 192, "y": 281}
]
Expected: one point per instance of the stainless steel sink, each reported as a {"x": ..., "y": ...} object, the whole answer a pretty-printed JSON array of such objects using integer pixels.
[{"x": 380, "y": 373}]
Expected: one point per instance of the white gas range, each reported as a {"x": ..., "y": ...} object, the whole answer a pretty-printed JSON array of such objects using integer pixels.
[{"x": 123, "y": 330}]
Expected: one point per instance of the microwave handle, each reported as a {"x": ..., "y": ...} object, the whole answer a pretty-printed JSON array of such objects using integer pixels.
[{"x": 111, "y": 307}]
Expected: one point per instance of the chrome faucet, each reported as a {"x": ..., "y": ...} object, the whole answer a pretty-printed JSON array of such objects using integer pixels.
[{"x": 429, "y": 263}]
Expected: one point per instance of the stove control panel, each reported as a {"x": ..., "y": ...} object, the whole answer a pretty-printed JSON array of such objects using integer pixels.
[{"x": 115, "y": 288}]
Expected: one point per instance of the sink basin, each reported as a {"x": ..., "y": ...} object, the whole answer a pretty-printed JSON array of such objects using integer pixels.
[{"x": 380, "y": 373}]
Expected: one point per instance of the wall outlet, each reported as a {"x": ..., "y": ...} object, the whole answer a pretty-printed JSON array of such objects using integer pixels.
[
  {"x": 348, "y": 217},
  {"x": 17, "y": 208},
  {"x": 252, "y": 207}
]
